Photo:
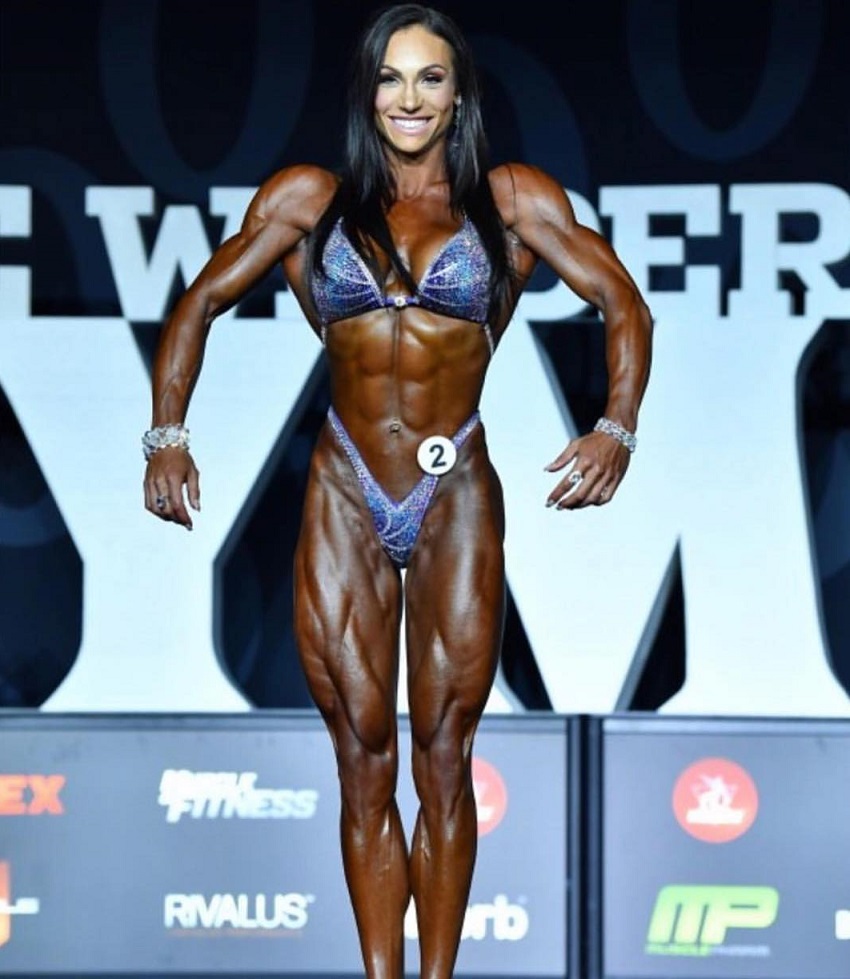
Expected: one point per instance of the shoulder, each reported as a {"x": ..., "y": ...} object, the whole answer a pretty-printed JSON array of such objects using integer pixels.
[
  {"x": 522, "y": 192},
  {"x": 296, "y": 196}
]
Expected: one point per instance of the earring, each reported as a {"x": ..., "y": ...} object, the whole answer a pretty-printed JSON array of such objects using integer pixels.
[{"x": 458, "y": 111}]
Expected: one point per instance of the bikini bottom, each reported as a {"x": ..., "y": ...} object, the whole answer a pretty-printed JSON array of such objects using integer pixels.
[{"x": 397, "y": 524}]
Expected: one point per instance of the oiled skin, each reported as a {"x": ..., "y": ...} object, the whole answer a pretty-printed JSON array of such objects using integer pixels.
[{"x": 398, "y": 376}]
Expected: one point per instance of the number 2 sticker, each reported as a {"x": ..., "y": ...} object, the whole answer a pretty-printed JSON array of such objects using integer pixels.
[{"x": 436, "y": 455}]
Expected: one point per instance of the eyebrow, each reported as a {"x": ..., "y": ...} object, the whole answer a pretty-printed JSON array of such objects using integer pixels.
[{"x": 422, "y": 71}]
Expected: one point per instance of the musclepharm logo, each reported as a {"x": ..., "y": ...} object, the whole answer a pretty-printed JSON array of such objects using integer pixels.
[
  {"x": 501, "y": 920},
  {"x": 225, "y": 795},
  {"x": 8, "y": 907},
  {"x": 257, "y": 914},
  {"x": 693, "y": 920}
]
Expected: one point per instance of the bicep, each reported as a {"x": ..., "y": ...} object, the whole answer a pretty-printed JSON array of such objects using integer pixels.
[
  {"x": 280, "y": 215},
  {"x": 587, "y": 263},
  {"x": 243, "y": 260},
  {"x": 581, "y": 257}
]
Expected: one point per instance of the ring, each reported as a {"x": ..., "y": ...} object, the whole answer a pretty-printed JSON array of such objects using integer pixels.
[
  {"x": 575, "y": 478},
  {"x": 161, "y": 502}
]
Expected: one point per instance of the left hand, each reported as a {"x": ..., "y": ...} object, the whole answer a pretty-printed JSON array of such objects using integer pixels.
[{"x": 601, "y": 461}]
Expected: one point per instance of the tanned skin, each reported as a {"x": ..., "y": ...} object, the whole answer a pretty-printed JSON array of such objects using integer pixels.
[{"x": 398, "y": 376}]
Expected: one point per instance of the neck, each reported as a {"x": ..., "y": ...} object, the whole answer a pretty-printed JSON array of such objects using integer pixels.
[{"x": 418, "y": 176}]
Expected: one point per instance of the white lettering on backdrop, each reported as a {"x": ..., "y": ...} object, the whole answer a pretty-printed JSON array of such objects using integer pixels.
[{"x": 717, "y": 472}]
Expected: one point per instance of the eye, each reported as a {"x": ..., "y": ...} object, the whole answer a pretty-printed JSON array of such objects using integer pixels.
[
  {"x": 433, "y": 79},
  {"x": 386, "y": 79}
]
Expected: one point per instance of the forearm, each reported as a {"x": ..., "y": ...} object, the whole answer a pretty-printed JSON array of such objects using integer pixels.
[
  {"x": 178, "y": 358},
  {"x": 628, "y": 347}
]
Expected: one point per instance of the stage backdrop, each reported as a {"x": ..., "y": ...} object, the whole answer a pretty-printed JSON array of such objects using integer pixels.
[{"x": 705, "y": 140}]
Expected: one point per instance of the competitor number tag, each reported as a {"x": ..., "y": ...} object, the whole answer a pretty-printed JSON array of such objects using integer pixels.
[{"x": 436, "y": 455}]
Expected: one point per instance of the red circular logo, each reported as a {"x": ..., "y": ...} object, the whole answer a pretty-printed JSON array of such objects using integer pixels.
[
  {"x": 491, "y": 796},
  {"x": 715, "y": 800}
]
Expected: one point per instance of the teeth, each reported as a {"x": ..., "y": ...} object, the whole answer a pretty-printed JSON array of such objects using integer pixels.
[{"x": 411, "y": 125}]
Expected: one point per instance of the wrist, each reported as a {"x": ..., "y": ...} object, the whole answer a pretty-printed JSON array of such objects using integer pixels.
[
  {"x": 609, "y": 427},
  {"x": 174, "y": 436}
]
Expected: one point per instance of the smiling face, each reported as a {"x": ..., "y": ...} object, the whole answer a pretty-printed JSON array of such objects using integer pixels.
[{"x": 415, "y": 97}]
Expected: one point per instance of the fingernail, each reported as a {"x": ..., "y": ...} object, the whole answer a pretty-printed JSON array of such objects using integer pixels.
[{"x": 550, "y": 503}]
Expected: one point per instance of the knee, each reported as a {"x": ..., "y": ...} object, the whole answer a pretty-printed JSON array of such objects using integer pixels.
[
  {"x": 442, "y": 768},
  {"x": 367, "y": 774}
]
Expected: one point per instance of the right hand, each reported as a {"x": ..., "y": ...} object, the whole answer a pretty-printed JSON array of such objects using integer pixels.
[{"x": 169, "y": 471}]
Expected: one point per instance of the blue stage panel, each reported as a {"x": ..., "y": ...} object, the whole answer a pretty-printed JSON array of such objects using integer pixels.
[
  {"x": 208, "y": 844},
  {"x": 725, "y": 849}
]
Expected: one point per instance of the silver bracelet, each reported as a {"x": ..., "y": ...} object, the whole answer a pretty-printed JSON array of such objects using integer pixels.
[
  {"x": 165, "y": 437},
  {"x": 624, "y": 437}
]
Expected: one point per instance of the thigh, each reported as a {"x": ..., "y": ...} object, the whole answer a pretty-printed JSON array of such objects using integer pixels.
[
  {"x": 347, "y": 607},
  {"x": 455, "y": 600}
]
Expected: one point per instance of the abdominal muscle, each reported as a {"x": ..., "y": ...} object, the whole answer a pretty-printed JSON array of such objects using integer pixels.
[{"x": 398, "y": 377}]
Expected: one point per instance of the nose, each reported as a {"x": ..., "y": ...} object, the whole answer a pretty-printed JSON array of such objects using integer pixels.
[{"x": 409, "y": 100}]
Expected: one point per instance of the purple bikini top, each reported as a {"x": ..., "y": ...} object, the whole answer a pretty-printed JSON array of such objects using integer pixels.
[{"x": 456, "y": 283}]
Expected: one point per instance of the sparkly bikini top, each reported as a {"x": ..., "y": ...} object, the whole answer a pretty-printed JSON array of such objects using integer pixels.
[{"x": 456, "y": 283}]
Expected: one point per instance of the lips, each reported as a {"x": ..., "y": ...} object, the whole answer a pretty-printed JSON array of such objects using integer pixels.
[{"x": 409, "y": 126}]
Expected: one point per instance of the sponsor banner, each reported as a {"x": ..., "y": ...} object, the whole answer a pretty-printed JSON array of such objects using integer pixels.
[
  {"x": 499, "y": 920},
  {"x": 694, "y": 920},
  {"x": 715, "y": 800},
  {"x": 195, "y": 837},
  {"x": 516, "y": 920},
  {"x": 491, "y": 795},
  {"x": 31, "y": 795},
  {"x": 725, "y": 848},
  {"x": 10, "y": 906},
  {"x": 281, "y": 914},
  {"x": 200, "y": 836},
  {"x": 230, "y": 795}
]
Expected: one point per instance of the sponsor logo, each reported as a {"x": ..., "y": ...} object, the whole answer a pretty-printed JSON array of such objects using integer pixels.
[
  {"x": 228, "y": 795},
  {"x": 501, "y": 920},
  {"x": 8, "y": 907},
  {"x": 243, "y": 914},
  {"x": 694, "y": 919},
  {"x": 715, "y": 800},
  {"x": 842, "y": 925},
  {"x": 491, "y": 795},
  {"x": 31, "y": 795}
]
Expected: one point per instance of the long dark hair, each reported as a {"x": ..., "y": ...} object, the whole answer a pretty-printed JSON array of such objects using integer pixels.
[{"x": 367, "y": 188}]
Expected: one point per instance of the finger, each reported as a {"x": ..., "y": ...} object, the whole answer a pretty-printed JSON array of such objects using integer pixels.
[
  {"x": 569, "y": 484},
  {"x": 161, "y": 504},
  {"x": 610, "y": 487},
  {"x": 571, "y": 491},
  {"x": 568, "y": 455},
  {"x": 177, "y": 506},
  {"x": 147, "y": 492},
  {"x": 150, "y": 491},
  {"x": 575, "y": 497},
  {"x": 601, "y": 495},
  {"x": 193, "y": 485}
]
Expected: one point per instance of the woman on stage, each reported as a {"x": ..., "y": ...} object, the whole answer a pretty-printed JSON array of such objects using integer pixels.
[{"x": 408, "y": 267}]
